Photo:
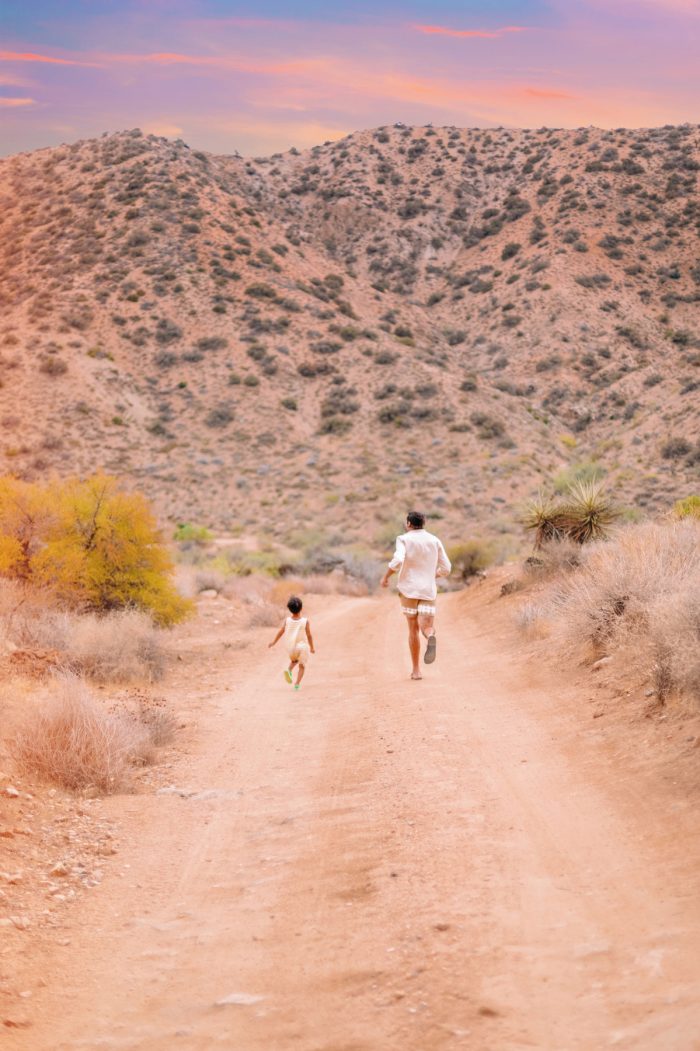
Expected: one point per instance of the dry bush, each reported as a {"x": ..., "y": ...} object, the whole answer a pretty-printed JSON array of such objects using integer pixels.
[
  {"x": 674, "y": 628},
  {"x": 265, "y": 615},
  {"x": 282, "y": 590},
  {"x": 69, "y": 740},
  {"x": 209, "y": 580},
  {"x": 639, "y": 595},
  {"x": 118, "y": 647},
  {"x": 320, "y": 584},
  {"x": 249, "y": 590},
  {"x": 531, "y": 620},
  {"x": 557, "y": 556}
]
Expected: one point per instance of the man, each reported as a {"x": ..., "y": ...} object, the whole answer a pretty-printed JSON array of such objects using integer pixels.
[{"x": 420, "y": 558}]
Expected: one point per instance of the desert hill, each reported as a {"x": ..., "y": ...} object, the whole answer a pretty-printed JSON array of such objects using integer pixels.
[{"x": 428, "y": 316}]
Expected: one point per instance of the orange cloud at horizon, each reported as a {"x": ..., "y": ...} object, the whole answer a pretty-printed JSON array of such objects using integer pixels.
[
  {"x": 484, "y": 34},
  {"x": 548, "y": 93},
  {"x": 13, "y": 103}
]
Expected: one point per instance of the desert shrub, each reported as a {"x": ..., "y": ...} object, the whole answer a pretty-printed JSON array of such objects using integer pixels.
[
  {"x": 90, "y": 544},
  {"x": 185, "y": 532},
  {"x": 593, "y": 280},
  {"x": 71, "y": 741},
  {"x": 120, "y": 647},
  {"x": 488, "y": 427},
  {"x": 52, "y": 366},
  {"x": 554, "y": 557},
  {"x": 688, "y": 507},
  {"x": 123, "y": 646},
  {"x": 675, "y": 448},
  {"x": 470, "y": 558},
  {"x": 639, "y": 595},
  {"x": 265, "y": 615},
  {"x": 220, "y": 416}
]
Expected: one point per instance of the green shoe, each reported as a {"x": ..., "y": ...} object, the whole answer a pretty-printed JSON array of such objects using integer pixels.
[
  {"x": 288, "y": 676},
  {"x": 297, "y": 686}
]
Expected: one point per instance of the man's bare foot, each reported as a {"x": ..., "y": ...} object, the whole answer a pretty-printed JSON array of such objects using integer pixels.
[{"x": 416, "y": 675}]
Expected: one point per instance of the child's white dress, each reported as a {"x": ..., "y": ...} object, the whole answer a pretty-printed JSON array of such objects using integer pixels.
[{"x": 295, "y": 639}]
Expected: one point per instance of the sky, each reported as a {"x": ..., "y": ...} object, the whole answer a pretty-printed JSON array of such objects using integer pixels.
[{"x": 262, "y": 77}]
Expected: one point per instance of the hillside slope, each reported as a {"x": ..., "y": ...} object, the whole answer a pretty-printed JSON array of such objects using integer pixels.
[{"x": 439, "y": 317}]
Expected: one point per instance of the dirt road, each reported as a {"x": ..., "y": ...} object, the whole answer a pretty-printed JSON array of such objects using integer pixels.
[{"x": 378, "y": 865}]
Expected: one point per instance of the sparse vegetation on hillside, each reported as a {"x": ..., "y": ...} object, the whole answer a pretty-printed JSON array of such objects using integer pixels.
[{"x": 164, "y": 307}]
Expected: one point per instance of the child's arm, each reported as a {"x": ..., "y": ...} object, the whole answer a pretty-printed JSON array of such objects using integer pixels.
[
  {"x": 309, "y": 637},
  {"x": 277, "y": 637}
]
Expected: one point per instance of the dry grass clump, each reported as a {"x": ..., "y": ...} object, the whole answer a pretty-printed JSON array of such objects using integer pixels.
[
  {"x": 68, "y": 739},
  {"x": 639, "y": 595},
  {"x": 123, "y": 646},
  {"x": 554, "y": 557}
]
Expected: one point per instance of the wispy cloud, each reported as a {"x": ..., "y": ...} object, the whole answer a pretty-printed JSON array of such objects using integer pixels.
[
  {"x": 31, "y": 56},
  {"x": 484, "y": 34},
  {"x": 547, "y": 93},
  {"x": 15, "y": 103}
]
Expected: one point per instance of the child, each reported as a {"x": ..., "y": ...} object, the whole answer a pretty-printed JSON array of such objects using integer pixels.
[{"x": 294, "y": 629}]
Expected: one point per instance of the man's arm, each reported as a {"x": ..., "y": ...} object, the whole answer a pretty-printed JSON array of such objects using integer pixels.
[
  {"x": 444, "y": 566},
  {"x": 396, "y": 562}
]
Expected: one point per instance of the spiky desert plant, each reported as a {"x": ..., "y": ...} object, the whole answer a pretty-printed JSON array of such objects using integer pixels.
[
  {"x": 587, "y": 513},
  {"x": 543, "y": 515}
]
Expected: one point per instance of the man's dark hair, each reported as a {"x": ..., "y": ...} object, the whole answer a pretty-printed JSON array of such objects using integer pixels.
[
  {"x": 415, "y": 519},
  {"x": 295, "y": 604}
]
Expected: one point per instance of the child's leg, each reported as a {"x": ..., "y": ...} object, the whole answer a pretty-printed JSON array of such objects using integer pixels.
[{"x": 300, "y": 673}]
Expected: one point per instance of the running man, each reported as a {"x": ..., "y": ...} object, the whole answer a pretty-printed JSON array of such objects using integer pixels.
[{"x": 420, "y": 558}]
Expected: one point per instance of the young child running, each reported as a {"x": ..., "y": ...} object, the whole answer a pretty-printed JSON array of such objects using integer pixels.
[{"x": 298, "y": 640}]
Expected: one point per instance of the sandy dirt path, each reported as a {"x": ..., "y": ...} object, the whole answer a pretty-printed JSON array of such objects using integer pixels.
[{"x": 378, "y": 865}]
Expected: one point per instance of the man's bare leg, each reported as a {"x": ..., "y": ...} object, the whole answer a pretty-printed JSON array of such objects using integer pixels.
[
  {"x": 426, "y": 623},
  {"x": 414, "y": 646}
]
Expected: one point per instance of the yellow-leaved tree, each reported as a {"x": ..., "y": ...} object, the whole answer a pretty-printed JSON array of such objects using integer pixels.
[
  {"x": 26, "y": 512},
  {"x": 92, "y": 544}
]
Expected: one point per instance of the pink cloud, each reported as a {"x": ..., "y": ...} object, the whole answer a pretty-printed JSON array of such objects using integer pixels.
[
  {"x": 15, "y": 103},
  {"x": 547, "y": 93},
  {"x": 483, "y": 34},
  {"x": 30, "y": 56}
]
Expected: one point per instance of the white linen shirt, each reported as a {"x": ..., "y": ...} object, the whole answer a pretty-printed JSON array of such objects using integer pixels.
[{"x": 420, "y": 558}]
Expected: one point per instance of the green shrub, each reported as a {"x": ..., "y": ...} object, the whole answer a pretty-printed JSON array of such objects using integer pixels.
[
  {"x": 688, "y": 507},
  {"x": 470, "y": 558},
  {"x": 186, "y": 532}
]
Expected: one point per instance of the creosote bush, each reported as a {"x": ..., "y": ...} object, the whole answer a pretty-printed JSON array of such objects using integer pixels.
[{"x": 90, "y": 544}]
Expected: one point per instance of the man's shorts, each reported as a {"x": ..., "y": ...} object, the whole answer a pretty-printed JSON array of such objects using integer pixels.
[{"x": 413, "y": 606}]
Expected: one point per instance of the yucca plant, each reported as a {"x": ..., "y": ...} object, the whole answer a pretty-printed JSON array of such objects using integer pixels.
[
  {"x": 587, "y": 512},
  {"x": 543, "y": 516}
]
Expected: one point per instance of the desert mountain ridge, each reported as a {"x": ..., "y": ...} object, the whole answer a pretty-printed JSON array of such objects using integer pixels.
[{"x": 313, "y": 341}]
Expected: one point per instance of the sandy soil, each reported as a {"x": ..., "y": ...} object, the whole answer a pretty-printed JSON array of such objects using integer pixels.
[{"x": 378, "y": 865}]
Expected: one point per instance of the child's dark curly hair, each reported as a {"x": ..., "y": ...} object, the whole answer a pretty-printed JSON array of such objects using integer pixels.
[{"x": 295, "y": 604}]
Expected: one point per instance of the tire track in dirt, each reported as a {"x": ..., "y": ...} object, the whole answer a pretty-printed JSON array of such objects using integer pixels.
[{"x": 388, "y": 866}]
